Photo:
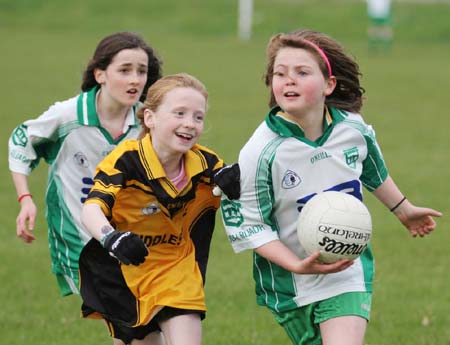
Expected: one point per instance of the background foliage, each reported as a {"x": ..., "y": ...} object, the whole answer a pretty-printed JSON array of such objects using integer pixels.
[{"x": 45, "y": 46}]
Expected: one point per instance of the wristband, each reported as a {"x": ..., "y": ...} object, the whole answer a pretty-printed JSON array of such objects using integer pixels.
[
  {"x": 19, "y": 199},
  {"x": 103, "y": 238},
  {"x": 400, "y": 202}
]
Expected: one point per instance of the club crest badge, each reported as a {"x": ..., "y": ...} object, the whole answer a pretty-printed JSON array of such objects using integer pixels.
[
  {"x": 290, "y": 180},
  {"x": 150, "y": 209},
  {"x": 19, "y": 137},
  {"x": 81, "y": 160},
  {"x": 351, "y": 157},
  {"x": 231, "y": 213}
]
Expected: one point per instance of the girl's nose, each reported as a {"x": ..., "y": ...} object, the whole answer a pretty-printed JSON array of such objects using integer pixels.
[
  {"x": 290, "y": 78},
  {"x": 135, "y": 77},
  {"x": 189, "y": 122}
]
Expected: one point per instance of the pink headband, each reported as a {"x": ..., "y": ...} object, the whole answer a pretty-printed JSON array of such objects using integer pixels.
[{"x": 321, "y": 53}]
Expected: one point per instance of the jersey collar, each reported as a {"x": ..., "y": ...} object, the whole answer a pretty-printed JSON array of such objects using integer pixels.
[
  {"x": 87, "y": 112},
  {"x": 286, "y": 128},
  {"x": 194, "y": 161}
]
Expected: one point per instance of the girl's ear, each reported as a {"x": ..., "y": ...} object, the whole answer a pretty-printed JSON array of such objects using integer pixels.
[
  {"x": 330, "y": 85},
  {"x": 149, "y": 118},
  {"x": 99, "y": 76}
]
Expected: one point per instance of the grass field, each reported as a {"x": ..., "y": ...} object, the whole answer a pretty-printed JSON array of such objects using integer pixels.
[{"x": 44, "y": 48}]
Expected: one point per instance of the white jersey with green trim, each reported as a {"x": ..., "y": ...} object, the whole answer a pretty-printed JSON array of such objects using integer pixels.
[
  {"x": 280, "y": 171},
  {"x": 69, "y": 137}
]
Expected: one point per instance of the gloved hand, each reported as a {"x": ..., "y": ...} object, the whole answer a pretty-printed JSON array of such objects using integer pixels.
[
  {"x": 228, "y": 180},
  {"x": 126, "y": 247}
]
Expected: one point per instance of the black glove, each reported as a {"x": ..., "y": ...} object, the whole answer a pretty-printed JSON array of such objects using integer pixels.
[
  {"x": 126, "y": 247},
  {"x": 228, "y": 180}
]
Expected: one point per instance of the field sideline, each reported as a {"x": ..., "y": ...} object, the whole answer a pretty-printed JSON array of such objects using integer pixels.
[{"x": 45, "y": 47}]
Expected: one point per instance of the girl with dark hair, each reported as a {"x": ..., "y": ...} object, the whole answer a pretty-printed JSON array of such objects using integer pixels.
[
  {"x": 109, "y": 47},
  {"x": 312, "y": 140},
  {"x": 73, "y": 136}
]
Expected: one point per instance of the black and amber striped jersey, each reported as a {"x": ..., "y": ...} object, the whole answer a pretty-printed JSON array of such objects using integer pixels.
[{"x": 135, "y": 194}]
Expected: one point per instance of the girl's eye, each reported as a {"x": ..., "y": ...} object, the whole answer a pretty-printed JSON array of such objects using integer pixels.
[
  {"x": 278, "y": 74},
  {"x": 179, "y": 113},
  {"x": 199, "y": 118}
]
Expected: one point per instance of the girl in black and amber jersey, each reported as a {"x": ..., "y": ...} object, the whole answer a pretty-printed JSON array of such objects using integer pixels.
[{"x": 152, "y": 208}]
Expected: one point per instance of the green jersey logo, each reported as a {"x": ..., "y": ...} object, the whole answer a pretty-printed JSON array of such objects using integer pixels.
[
  {"x": 19, "y": 137},
  {"x": 351, "y": 157},
  {"x": 231, "y": 213}
]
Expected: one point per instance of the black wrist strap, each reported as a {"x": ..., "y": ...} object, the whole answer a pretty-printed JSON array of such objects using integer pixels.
[{"x": 396, "y": 206}]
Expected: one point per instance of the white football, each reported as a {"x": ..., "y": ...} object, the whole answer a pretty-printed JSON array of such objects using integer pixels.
[{"x": 336, "y": 224}]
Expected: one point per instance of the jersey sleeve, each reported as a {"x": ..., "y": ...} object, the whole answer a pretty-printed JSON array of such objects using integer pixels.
[
  {"x": 108, "y": 181},
  {"x": 374, "y": 171},
  {"x": 247, "y": 220},
  {"x": 35, "y": 139}
]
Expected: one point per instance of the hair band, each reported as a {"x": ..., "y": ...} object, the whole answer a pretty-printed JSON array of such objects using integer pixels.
[{"x": 322, "y": 54}]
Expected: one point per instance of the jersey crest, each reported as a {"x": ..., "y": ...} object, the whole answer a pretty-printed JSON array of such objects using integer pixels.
[{"x": 290, "y": 180}]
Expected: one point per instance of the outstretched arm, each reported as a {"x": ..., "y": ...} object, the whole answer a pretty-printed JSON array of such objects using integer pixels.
[
  {"x": 281, "y": 255},
  {"x": 26, "y": 218},
  {"x": 418, "y": 220}
]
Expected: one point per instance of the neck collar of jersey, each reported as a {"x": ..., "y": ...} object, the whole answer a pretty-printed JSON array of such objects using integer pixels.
[
  {"x": 194, "y": 162},
  {"x": 286, "y": 128},
  {"x": 87, "y": 110}
]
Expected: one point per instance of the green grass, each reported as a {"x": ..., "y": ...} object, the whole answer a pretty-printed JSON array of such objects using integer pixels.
[{"x": 44, "y": 48}]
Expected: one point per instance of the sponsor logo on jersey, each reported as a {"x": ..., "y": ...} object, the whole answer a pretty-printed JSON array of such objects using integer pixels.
[
  {"x": 19, "y": 137},
  {"x": 231, "y": 213},
  {"x": 290, "y": 180},
  {"x": 352, "y": 187},
  {"x": 351, "y": 157},
  {"x": 151, "y": 208},
  {"x": 162, "y": 239},
  {"x": 87, "y": 183},
  {"x": 247, "y": 232},
  {"x": 319, "y": 156},
  {"x": 19, "y": 156},
  {"x": 81, "y": 160}
]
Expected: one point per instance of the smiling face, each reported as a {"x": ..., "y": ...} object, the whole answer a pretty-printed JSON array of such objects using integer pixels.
[
  {"x": 124, "y": 79},
  {"x": 298, "y": 84},
  {"x": 178, "y": 122}
]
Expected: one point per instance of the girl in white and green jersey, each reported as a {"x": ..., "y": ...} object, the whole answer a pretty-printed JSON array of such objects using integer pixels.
[
  {"x": 73, "y": 136},
  {"x": 312, "y": 140}
]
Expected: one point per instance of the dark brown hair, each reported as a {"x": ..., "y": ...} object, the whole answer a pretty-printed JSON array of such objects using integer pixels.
[
  {"x": 109, "y": 47},
  {"x": 348, "y": 92}
]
